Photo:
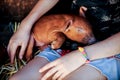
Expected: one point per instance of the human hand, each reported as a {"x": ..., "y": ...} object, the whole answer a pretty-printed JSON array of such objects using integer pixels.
[
  {"x": 61, "y": 67},
  {"x": 20, "y": 38}
]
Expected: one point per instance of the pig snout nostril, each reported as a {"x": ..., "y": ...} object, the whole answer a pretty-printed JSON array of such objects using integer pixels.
[{"x": 92, "y": 40}]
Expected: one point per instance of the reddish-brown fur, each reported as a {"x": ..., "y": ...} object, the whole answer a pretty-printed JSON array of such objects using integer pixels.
[{"x": 52, "y": 30}]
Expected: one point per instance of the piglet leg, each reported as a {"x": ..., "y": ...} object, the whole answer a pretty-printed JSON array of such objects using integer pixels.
[{"x": 59, "y": 39}]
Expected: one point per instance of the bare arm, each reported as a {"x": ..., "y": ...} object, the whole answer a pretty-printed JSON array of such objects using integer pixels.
[
  {"x": 21, "y": 37},
  {"x": 105, "y": 48},
  {"x": 39, "y": 9}
]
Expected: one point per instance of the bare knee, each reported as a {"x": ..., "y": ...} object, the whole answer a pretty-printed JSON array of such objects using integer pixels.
[
  {"x": 31, "y": 70},
  {"x": 14, "y": 78},
  {"x": 85, "y": 73}
]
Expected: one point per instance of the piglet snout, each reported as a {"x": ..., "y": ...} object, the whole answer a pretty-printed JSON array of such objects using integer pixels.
[{"x": 91, "y": 40}]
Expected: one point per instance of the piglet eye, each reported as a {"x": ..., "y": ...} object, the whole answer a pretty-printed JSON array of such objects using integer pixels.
[{"x": 79, "y": 29}]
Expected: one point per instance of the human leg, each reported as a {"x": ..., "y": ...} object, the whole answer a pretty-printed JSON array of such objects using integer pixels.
[
  {"x": 31, "y": 70},
  {"x": 101, "y": 69},
  {"x": 86, "y": 72}
]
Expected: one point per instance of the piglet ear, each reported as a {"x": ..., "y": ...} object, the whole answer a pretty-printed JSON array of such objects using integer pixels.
[
  {"x": 82, "y": 11},
  {"x": 68, "y": 24}
]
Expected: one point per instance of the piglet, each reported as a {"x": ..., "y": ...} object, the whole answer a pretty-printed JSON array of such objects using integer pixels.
[{"x": 54, "y": 29}]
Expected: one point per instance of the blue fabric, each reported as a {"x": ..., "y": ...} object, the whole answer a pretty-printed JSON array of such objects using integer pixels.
[
  {"x": 50, "y": 54},
  {"x": 110, "y": 67}
]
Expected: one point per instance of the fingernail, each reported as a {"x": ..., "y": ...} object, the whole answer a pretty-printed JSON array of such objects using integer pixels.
[
  {"x": 40, "y": 70},
  {"x": 20, "y": 57}
]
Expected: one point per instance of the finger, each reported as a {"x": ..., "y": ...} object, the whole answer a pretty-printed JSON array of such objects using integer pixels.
[
  {"x": 12, "y": 52},
  {"x": 62, "y": 77},
  {"x": 48, "y": 66},
  {"x": 57, "y": 75},
  {"x": 29, "y": 48},
  {"x": 51, "y": 72},
  {"x": 22, "y": 51},
  {"x": 8, "y": 50}
]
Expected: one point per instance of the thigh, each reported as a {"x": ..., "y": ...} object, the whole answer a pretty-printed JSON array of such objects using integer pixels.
[
  {"x": 86, "y": 72},
  {"x": 31, "y": 70}
]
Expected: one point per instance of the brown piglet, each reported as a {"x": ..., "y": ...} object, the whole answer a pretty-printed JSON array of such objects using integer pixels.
[{"x": 53, "y": 29}]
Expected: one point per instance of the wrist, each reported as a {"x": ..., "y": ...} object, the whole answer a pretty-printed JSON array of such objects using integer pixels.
[
  {"x": 91, "y": 50},
  {"x": 31, "y": 18},
  {"x": 84, "y": 54},
  {"x": 25, "y": 26},
  {"x": 79, "y": 57}
]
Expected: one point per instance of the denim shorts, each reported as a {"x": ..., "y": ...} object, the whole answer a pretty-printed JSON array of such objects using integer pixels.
[
  {"x": 109, "y": 67},
  {"x": 50, "y": 54}
]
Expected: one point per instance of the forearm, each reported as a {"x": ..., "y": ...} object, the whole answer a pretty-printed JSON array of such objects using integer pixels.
[
  {"x": 106, "y": 48},
  {"x": 39, "y": 9}
]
